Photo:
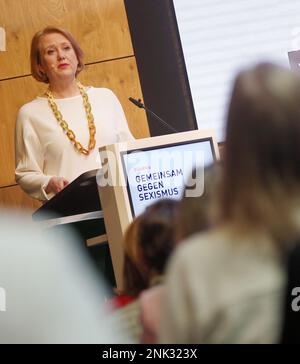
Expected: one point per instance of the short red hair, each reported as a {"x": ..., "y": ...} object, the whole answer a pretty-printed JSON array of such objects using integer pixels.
[{"x": 35, "y": 56}]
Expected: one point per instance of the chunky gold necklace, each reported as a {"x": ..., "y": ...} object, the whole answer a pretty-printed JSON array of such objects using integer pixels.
[{"x": 65, "y": 127}]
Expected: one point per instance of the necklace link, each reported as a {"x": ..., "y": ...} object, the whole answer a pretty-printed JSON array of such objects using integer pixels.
[{"x": 65, "y": 127}]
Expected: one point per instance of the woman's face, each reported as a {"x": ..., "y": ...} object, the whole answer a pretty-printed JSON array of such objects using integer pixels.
[{"x": 58, "y": 58}]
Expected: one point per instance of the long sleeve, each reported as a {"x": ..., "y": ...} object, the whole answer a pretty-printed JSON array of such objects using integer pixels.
[
  {"x": 44, "y": 151},
  {"x": 29, "y": 159}
]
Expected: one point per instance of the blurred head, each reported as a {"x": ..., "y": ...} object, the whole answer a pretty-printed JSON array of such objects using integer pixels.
[
  {"x": 49, "y": 288},
  {"x": 55, "y": 53},
  {"x": 261, "y": 176},
  {"x": 157, "y": 234},
  {"x": 148, "y": 244},
  {"x": 135, "y": 274},
  {"x": 195, "y": 213}
]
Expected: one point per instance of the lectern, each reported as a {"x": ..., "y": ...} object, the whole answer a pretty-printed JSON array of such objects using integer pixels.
[{"x": 133, "y": 175}]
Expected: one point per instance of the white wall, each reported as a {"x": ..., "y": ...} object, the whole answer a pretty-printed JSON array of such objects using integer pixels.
[{"x": 220, "y": 37}]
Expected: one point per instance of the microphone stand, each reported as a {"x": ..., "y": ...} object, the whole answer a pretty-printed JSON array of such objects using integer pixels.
[{"x": 139, "y": 104}]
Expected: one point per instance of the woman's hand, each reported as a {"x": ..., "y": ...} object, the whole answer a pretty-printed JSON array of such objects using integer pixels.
[{"x": 56, "y": 184}]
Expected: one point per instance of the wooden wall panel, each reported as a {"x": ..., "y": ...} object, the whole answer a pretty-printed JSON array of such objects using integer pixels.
[
  {"x": 13, "y": 94},
  {"x": 119, "y": 75},
  {"x": 14, "y": 197},
  {"x": 100, "y": 26}
]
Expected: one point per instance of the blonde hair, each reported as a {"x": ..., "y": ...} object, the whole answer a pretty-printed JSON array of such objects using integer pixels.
[
  {"x": 195, "y": 214},
  {"x": 35, "y": 56},
  {"x": 261, "y": 176}
]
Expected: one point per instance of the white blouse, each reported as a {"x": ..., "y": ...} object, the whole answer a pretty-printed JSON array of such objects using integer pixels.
[{"x": 44, "y": 151}]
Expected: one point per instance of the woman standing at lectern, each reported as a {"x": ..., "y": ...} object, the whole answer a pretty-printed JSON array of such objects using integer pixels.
[{"x": 58, "y": 134}]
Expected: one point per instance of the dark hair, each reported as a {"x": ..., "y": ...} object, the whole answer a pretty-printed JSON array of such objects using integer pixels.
[
  {"x": 148, "y": 243},
  {"x": 35, "y": 56},
  {"x": 135, "y": 274},
  {"x": 157, "y": 234}
]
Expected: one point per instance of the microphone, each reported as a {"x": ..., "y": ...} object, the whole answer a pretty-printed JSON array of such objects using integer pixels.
[{"x": 139, "y": 104}]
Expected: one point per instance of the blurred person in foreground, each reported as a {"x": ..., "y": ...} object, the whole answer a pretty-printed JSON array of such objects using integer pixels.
[
  {"x": 226, "y": 285},
  {"x": 193, "y": 216},
  {"x": 49, "y": 290},
  {"x": 148, "y": 243}
]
